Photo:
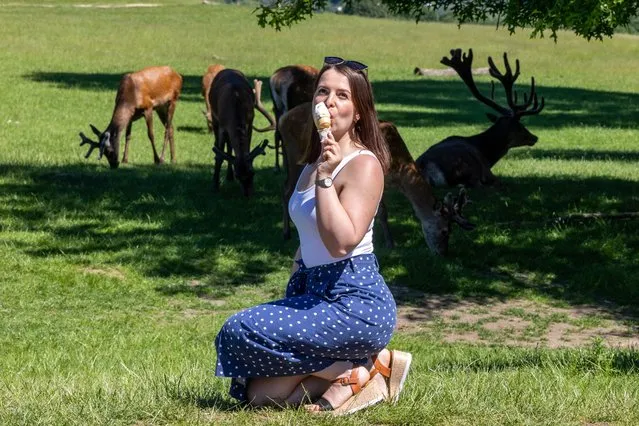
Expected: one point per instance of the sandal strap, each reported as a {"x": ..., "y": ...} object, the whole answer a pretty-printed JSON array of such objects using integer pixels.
[
  {"x": 352, "y": 380},
  {"x": 380, "y": 368}
]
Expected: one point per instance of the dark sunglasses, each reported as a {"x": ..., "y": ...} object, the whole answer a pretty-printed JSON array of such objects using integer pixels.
[{"x": 354, "y": 65}]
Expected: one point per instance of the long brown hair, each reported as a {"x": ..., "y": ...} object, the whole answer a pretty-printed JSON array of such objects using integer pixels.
[{"x": 366, "y": 128}]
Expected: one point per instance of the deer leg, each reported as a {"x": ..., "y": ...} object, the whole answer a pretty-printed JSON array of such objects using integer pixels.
[
  {"x": 148, "y": 117},
  {"x": 489, "y": 179},
  {"x": 127, "y": 138},
  {"x": 230, "y": 176},
  {"x": 218, "y": 140},
  {"x": 277, "y": 140},
  {"x": 168, "y": 130},
  {"x": 162, "y": 114},
  {"x": 382, "y": 218}
]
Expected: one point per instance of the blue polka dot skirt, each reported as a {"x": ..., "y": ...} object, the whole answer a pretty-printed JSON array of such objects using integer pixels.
[{"x": 341, "y": 311}]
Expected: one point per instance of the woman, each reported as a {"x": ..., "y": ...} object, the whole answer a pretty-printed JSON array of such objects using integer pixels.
[{"x": 319, "y": 342}]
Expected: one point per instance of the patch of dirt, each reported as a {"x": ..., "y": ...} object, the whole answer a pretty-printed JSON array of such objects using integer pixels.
[
  {"x": 107, "y": 272},
  {"x": 515, "y": 322}
]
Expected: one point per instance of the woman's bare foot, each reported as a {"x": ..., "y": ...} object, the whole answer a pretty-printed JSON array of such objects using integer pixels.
[{"x": 338, "y": 393}]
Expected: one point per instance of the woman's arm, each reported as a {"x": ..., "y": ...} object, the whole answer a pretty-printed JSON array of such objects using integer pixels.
[
  {"x": 345, "y": 210},
  {"x": 298, "y": 255}
]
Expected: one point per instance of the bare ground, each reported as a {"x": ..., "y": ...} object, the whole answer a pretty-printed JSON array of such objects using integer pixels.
[{"x": 515, "y": 322}]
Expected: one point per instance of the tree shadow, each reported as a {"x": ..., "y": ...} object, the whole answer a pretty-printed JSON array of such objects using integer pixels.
[
  {"x": 574, "y": 154},
  {"x": 595, "y": 358},
  {"x": 454, "y": 104},
  {"x": 191, "y": 84},
  {"x": 166, "y": 222},
  {"x": 449, "y": 96}
]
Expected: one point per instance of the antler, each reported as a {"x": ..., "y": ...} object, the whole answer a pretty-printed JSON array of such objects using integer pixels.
[
  {"x": 92, "y": 144},
  {"x": 219, "y": 153},
  {"x": 462, "y": 63},
  {"x": 454, "y": 207},
  {"x": 260, "y": 149},
  {"x": 258, "y": 105},
  {"x": 508, "y": 80}
]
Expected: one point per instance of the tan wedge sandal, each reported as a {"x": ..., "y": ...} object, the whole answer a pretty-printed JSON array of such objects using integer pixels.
[
  {"x": 363, "y": 396},
  {"x": 395, "y": 375}
]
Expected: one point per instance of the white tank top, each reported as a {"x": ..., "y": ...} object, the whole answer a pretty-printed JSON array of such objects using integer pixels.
[{"x": 301, "y": 208}]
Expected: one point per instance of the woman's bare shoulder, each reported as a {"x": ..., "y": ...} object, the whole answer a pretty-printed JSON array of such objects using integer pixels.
[{"x": 365, "y": 167}]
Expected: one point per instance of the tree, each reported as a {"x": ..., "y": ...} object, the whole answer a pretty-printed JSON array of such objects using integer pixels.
[{"x": 586, "y": 18}]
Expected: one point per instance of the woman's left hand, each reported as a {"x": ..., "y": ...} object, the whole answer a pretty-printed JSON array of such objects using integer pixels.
[{"x": 330, "y": 156}]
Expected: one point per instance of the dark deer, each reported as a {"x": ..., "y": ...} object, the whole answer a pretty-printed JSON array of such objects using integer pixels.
[
  {"x": 290, "y": 86},
  {"x": 207, "y": 79},
  {"x": 232, "y": 102},
  {"x": 140, "y": 93},
  {"x": 436, "y": 218},
  {"x": 468, "y": 160}
]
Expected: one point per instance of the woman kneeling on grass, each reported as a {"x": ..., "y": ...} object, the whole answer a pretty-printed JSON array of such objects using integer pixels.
[{"x": 324, "y": 343}]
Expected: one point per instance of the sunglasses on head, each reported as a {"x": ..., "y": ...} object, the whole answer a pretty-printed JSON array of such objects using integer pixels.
[{"x": 354, "y": 65}]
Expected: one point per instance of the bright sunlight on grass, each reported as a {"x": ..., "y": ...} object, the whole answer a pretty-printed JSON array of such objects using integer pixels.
[{"x": 114, "y": 283}]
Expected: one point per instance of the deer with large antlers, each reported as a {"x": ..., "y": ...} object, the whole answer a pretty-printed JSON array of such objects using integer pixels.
[
  {"x": 436, "y": 217},
  {"x": 232, "y": 102},
  {"x": 468, "y": 160},
  {"x": 290, "y": 86},
  {"x": 139, "y": 94}
]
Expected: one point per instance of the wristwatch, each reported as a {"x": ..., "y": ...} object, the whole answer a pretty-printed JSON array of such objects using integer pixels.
[{"x": 324, "y": 182}]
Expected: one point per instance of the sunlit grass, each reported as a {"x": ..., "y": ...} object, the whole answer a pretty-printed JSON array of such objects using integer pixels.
[{"x": 113, "y": 284}]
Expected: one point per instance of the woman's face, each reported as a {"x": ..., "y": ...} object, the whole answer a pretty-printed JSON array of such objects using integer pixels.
[{"x": 334, "y": 90}]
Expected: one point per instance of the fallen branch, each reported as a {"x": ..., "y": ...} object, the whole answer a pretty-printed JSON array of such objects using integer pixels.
[{"x": 613, "y": 216}]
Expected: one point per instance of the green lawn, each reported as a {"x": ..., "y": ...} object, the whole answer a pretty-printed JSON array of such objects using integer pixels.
[{"x": 113, "y": 284}]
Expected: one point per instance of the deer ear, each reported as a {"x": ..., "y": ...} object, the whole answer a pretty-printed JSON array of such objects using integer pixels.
[{"x": 492, "y": 117}]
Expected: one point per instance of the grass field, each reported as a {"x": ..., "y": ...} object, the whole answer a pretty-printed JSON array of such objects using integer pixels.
[{"x": 113, "y": 284}]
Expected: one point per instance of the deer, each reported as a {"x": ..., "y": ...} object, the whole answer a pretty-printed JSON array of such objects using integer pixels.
[
  {"x": 290, "y": 86},
  {"x": 436, "y": 217},
  {"x": 139, "y": 94},
  {"x": 467, "y": 160},
  {"x": 232, "y": 102},
  {"x": 207, "y": 79}
]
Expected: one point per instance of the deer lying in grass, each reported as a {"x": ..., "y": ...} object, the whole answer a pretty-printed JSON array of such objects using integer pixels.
[
  {"x": 436, "y": 218},
  {"x": 468, "y": 160},
  {"x": 290, "y": 86},
  {"x": 232, "y": 102},
  {"x": 140, "y": 93}
]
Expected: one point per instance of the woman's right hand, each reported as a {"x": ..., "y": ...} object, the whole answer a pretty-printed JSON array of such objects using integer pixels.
[{"x": 330, "y": 157}]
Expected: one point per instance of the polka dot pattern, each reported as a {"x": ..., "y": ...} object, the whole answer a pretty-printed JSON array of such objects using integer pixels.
[{"x": 341, "y": 311}]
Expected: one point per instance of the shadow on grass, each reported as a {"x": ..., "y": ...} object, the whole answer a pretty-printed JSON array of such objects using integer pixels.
[
  {"x": 595, "y": 358},
  {"x": 191, "y": 84},
  {"x": 574, "y": 154},
  {"x": 165, "y": 222},
  {"x": 448, "y": 96}
]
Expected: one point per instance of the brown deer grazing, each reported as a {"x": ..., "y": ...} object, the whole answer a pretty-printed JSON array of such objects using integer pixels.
[
  {"x": 232, "y": 102},
  {"x": 468, "y": 160},
  {"x": 140, "y": 93},
  {"x": 436, "y": 217},
  {"x": 290, "y": 86}
]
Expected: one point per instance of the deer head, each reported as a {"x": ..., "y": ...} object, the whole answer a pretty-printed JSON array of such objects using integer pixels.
[
  {"x": 105, "y": 146},
  {"x": 438, "y": 228},
  {"x": 243, "y": 169},
  {"x": 508, "y": 120}
]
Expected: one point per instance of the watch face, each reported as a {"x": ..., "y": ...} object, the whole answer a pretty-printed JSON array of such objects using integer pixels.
[{"x": 325, "y": 183}]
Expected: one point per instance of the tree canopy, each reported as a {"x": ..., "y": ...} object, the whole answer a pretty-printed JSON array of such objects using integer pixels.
[{"x": 586, "y": 18}]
